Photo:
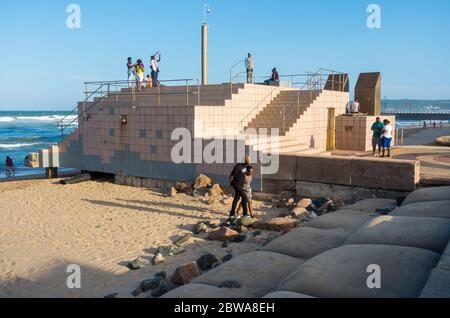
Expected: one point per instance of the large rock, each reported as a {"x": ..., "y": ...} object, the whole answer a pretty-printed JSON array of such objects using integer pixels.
[
  {"x": 435, "y": 209},
  {"x": 258, "y": 272},
  {"x": 247, "y": 222},
  {"x": 183, "y": 187},
  {"x": 222, "y": 234},
  {"x": 204, "y": 291},
  {"x": 164, "y": 287},
  {"x": 202, "y": 182},
  {"x": 307, "y": 242},
  {"x": 170, "y": 250},
  {"x": 427, "y": 195},
  {"x": 136, "y": 264},
  {"x": 200, "y": 227},
  {"x": 276, "y": 224},
  {"x": 185, "y": 274},
  {"x": 299, "y": 213},
  {"x": 427, "y": 233},
  {"x": 342, "y": 272},
  {"x": 183, "y": 240},
  {"x": 304, "y": 203},
  {"x": 443, "y": 141},
  {"x": 216, "y": 191},
  {"x": 206, "y": 262}
]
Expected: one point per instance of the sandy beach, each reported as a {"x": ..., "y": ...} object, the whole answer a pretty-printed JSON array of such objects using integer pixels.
[{"x": 99, "y": 226}]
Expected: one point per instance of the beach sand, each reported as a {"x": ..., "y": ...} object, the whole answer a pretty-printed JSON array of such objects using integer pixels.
[{"x": 99, "y": 226}]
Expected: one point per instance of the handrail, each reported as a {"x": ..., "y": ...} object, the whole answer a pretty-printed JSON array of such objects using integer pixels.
[
  {"x": 61, "y": 121},
  {"x": 257, "y": 106}
]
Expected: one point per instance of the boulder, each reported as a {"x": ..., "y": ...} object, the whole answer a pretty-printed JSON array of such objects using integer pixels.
[
  {"x": 227, "y": 257},
  {"x": 136, "y": 264},
  {"x": 185, "y": 273},
  {"x": 247, "y": 222},
  {"x": 276, "y": 224},
  {"x": 216, "y": 191},
  {"x": 304, "y": 203},
  {"x": 286, "y": 295},
  {"x": 206, "y": 262},
  {"x": 240, "y": 238},
  {"x": 137, "y": 292},
  {"x": 299, "y": 213},
  {"x": 200, "y": 227},
  {"x": 172, "y": 192},
  {"x": 150, "y": 284},
  {"x": 113, "y": 295},
  {"x": 443, "y": 141},
  {"x": 320, "y": 201},
  {"x": 328, "y": 206},
  {"x": 371, "y": 205},
  {"x": 158, "y": 258},
  {"x": 164, "y": 287},
  {"x": 183, "y": 240},
  {"x": 183, "y": 187},
  {"x": 170, "y": 250},
  {"x": 222, "y": 234},
  {"x": 215, "y": 223},
  {"x": 202, "y": 182}
]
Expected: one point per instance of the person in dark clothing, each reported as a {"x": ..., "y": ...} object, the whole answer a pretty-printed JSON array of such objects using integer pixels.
[
  {"x": 10, "y": 170},
  {"x": 237, "y": 181}
]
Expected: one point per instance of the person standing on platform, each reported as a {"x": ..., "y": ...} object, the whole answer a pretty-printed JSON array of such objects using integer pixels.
[
  {"x": 154, "y": 60},
  {"x": 377, "y": 129},
  {"x": 387, "y": 138},
  {"x": 131, "y": 72},
  {"x": 250, "y": 66}
]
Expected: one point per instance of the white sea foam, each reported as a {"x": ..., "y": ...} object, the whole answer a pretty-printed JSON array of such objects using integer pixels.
[
  {"x": 14, "y": 146},
  {"x": 52, "y": 118}
]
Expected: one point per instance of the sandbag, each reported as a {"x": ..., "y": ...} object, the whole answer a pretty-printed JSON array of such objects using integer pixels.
[
  {"x": 434, "y": 209},
  {"x": 371, "y": 205},
  {"x": 428, "y": 233},
  {"x": 259, "y": 273},
  {"x": 204, "y": 291},
  {"x": 342, "y": 272},
  {"x": 286, "y": 295},
  {"x": 428, "y": 194},
  {"x": 348, "y": 220},
  {"x": 307, "y": 242}
]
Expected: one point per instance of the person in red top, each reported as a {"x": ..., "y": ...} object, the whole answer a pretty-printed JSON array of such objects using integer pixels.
[{"x": 10, "y": 170}]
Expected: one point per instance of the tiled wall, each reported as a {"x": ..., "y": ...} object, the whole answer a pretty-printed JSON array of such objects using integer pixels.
[{"x": 354, "y": 133}]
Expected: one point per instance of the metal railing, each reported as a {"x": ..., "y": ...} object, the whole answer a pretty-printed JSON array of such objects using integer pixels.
[
  {"x": 310, "y": 82},
  {"x": 95, "y": 92}
]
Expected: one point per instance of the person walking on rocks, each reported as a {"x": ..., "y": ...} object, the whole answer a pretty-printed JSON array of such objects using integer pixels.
[
  {"x": 248, "y": 190},
  {"x": 237, "y": 181}
]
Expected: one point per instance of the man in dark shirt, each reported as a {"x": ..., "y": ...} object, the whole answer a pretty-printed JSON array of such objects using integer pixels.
[
  {"x": 237, "y": 181},
  {"x": 9, "y": 166}
]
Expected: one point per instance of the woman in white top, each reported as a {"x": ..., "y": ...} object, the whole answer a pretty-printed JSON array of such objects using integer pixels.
[{"x": 386, "y": 138}]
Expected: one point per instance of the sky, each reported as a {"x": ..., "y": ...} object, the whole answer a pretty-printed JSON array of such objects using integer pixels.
[{"x": 43, "y": 63}]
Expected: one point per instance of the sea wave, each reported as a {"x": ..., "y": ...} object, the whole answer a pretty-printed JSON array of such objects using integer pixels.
[
  {"x": 49, "y": 118},
  {"x": 17, "y": 145}
]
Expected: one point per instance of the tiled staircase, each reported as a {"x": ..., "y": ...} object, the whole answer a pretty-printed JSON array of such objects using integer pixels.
[{"x": 284, "y": 111}]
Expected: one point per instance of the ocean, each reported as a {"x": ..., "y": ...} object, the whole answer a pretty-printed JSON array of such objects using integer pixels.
[{"x": 22, "y": 132}]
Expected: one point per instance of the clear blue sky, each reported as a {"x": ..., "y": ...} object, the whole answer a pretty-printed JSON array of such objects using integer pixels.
[{"x": 43, "y": 63}]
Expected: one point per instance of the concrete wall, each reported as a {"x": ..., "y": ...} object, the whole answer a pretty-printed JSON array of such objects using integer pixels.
[{"x": 371, "y": 173}]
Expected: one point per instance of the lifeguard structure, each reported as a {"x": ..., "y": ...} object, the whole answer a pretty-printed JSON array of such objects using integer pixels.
[{"x": 288, "y": 128}]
